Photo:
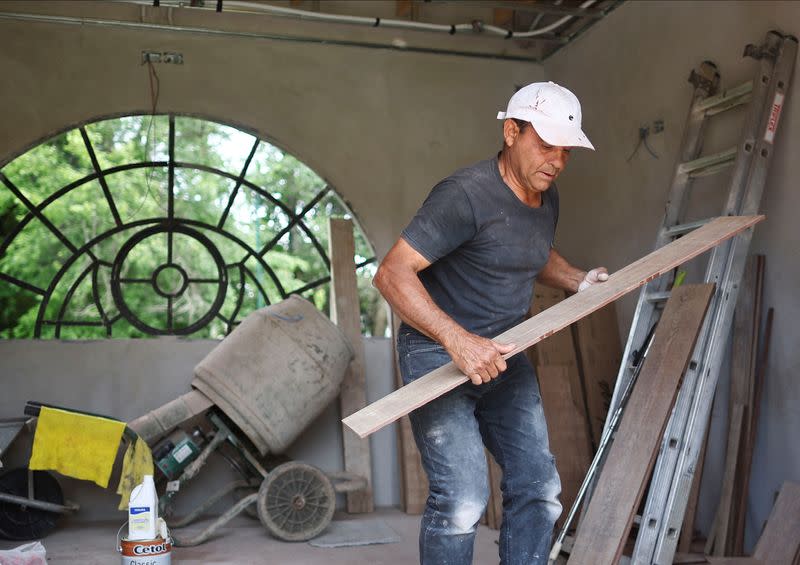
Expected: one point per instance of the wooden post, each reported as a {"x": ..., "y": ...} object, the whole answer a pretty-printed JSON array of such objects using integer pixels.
[
  {"x": 413, "y": 480},
  {"x": 346, "y": 313}
]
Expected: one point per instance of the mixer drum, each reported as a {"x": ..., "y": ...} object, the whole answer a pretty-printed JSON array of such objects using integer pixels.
[{"x": 276, "y": 372}]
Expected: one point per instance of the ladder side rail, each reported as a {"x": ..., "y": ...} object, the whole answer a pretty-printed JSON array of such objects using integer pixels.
[
  {"x": 668, "y": 501},
  {"x": 655, "y": 511},
  {"x": 676, "y": 495},
  {"x": 764, "y": 88},
  {"x": 705, "y": 82},
  {"x": 676, "y": 504},
  {"x": 673, "y": 440}
]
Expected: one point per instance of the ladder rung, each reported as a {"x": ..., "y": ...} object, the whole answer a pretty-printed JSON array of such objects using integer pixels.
[
  {"x": 726, "y": 100},
  {"x": 717, "y": 160},
  {"x": 679, "y": 229},
  {"x": 659, "y": 296}
]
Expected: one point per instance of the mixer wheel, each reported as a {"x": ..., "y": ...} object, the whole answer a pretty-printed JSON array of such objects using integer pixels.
[
  {"x": 27, "y": 523},
  {"x": 296, "y": 502}
]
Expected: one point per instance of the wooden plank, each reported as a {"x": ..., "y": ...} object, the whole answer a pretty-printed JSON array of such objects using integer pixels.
[
  {"x": 443, "y": 379},
  {"x": 566, "y": 425},
  {"x": 563, "y": 400},
  {"x": 780, "y": 541},
  {"x": 754, "y": 270},
  {"x": 723, "y": 518},
  {"x": 503, "y": 17},
  {"x": 494, "y": 510},
  {"x": 687, "y": 529},
  {"x": 346, "y": 313},
  {"x": 599, "y": 357},
  {"x": 413, "y": 480},
  {"x": 620, "y": 485}
]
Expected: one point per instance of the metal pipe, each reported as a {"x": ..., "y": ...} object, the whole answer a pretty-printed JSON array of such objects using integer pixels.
[
  {"x": 79, "y": 21},
  {"x": 39, "y": 504},
  {"x": 400, "y": 24},
  {"x": 232, "y": 512},
  {"x": 211, "y": 501}
]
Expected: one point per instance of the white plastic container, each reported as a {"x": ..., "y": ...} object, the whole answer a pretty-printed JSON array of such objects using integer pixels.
[{"x": 143, "y": 511}]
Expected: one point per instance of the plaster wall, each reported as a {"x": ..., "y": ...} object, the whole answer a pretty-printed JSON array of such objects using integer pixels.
[
  {"x": 125, "y": 379},
  {"x": 381, "y": 126},
  {"x": 629, "y": 72}
]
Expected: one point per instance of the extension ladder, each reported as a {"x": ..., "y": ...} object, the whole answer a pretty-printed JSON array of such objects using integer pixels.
[{"x": 683, "y": 439}]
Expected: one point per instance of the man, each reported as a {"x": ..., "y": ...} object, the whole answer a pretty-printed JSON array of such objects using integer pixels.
[{"x": 462, "y": 273}]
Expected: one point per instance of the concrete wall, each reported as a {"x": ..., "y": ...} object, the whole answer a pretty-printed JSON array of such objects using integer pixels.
[
  {"x": 126, "y": 378},
  {"x": 628, "y": 72},
  {"x": 382, "y": 126}
]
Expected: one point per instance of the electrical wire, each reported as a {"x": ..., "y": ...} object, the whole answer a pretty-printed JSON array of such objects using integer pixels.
[
  {"x": 155, "y": 90},
  {"x": 476, "y": 26}
]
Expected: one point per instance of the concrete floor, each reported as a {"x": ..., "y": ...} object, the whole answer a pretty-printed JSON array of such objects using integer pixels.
[{"x": 245, "y": 541}]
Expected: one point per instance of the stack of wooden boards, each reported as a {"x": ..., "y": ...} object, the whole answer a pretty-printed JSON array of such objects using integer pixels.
[
  {"x": 779, "y": 543},
  {"x": 746, "y": 383},
  {"x": 577, "y": 367}
]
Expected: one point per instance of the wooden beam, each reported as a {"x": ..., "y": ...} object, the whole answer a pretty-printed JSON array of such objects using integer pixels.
[
  {"x": 346, "y": 313},
  {"x": 607, "y": 520},
  {"x": 722, "y": 520},
  {"x": 562, "y": 394},
  {"x": 779, "y": 544},
  {"x": 446, "y": 378},
  {"x": 503, "y": 17},
  {"x": 599, "y": 356},
  {"x": 494, "y": 509},
  {"x": 742, "y": 488},
  {"x": 413, "y": 480}
]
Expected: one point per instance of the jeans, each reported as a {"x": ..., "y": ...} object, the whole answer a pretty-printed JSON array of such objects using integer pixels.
[{"x": 506, "y": 416}]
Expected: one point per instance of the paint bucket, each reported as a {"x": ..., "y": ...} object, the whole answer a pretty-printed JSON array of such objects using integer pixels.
[{"x": 145, "y": 552}]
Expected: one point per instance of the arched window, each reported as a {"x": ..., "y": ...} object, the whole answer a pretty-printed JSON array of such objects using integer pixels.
[{"x": 162, "y": 225}]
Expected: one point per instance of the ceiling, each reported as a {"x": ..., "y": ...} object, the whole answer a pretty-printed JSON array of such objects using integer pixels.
[{"x": 540, "y": 27}]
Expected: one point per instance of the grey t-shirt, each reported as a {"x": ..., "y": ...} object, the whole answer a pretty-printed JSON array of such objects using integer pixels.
[{"x": 485, "y": 247}]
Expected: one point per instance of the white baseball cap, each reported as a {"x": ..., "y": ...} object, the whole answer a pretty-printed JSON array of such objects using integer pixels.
[{"x": 554, "y": 112}]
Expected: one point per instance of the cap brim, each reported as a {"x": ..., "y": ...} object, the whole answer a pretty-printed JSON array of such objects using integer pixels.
[{"x": 556, "y": 134}]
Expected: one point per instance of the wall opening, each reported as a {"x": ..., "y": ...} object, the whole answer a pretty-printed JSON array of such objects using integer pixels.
[{"x": 166, "y": 224}]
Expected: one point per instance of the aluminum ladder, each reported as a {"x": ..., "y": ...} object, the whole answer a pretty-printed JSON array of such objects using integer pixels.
[{"x": 683, "y": 439}]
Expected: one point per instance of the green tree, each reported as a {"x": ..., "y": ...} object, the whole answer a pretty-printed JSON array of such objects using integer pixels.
[{"x": 268, "y": 223}]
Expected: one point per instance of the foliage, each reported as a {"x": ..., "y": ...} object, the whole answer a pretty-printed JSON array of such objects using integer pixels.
[{"x": 278, "y": 211}]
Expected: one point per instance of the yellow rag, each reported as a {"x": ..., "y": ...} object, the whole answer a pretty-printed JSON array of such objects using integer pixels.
[
  {"x": 137, "y": 463},
  {"x": 76, "y": 445}
]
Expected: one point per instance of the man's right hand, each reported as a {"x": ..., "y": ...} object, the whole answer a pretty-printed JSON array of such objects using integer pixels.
[{"x": 478, "y": 358}]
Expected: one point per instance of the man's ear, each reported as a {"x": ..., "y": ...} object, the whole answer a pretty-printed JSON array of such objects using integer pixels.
[{"x": 510, "y": 131}]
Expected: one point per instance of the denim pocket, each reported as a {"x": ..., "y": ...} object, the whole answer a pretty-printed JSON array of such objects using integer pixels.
[{"x": 419, "y": 355}]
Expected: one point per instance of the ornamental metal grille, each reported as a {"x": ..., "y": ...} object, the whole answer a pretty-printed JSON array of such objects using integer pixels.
[{"x": 160, "y": 225}]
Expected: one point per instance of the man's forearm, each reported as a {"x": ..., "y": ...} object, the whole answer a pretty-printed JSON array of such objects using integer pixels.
[
  {"x": 558, "y": 273},
  {"x": 407, "y": 296}
]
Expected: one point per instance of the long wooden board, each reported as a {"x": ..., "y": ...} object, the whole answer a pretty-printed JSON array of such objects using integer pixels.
[
  {"x": 779, "y": 544},
  {"x": 599, "y": 356},
  {"x": 620, "y": 486},
  {"x": 346, "y": 313},
  {"x": 563, "y": 400},
  {"x": 437, "y": 382},
  {"x": 413, "y": 481}
]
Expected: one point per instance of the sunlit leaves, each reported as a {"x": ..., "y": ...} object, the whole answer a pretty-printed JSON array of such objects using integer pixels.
[{"x": 270, "y": 240}]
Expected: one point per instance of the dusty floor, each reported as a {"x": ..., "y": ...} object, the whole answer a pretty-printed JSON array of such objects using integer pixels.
[{"x": 245, "y": 541}]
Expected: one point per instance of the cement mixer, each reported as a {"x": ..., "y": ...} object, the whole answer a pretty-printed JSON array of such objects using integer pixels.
[{"x": 257, "y": 391}]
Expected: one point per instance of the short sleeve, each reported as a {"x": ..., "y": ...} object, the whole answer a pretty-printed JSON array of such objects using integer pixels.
[{"x": 444, "y": 221}]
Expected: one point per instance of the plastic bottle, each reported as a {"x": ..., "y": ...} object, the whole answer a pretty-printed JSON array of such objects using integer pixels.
[{"x": 143, "y": 511}]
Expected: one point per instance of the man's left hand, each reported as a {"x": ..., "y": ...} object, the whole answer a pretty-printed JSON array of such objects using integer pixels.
[{"x": 597, "y": 275}]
